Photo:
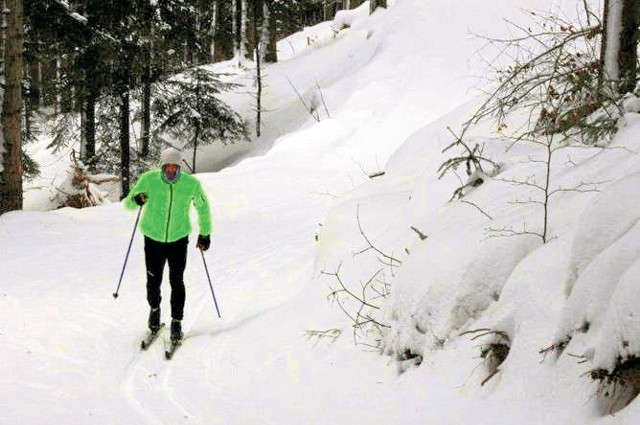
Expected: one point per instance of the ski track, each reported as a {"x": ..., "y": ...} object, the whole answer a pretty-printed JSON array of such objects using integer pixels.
[
  {"x": 150, "y": 388},
  {"x": 140, "y": 384},
  {"x": 148, "y": 367},
  {"x": 139, "y": 368},
  {"x": 129, "y": 390}
]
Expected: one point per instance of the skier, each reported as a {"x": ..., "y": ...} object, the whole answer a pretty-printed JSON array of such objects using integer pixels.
[{"x": 167, "y": 194}]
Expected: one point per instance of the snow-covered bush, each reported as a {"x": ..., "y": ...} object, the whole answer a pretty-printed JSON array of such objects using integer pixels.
[
  {"x": 494, "y": 349},
  {"x": 553, "y": 75},
  {"x": 618, "y": 387},
  {"x": 556, "y": 77}
]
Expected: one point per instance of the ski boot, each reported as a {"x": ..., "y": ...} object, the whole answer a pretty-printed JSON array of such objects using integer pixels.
[
  {"x": 176, "y": 331},
  {"x": 154, "y": 320}
]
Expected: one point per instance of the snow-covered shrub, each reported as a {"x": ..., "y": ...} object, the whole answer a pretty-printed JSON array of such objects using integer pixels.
[
  {"x": 618, "y": 387},
  {"x": 556, "y": 77},
  {"x": 493, "y": 350},
  {"x": 473, "y": 161},
  {"x": 350, "y": 18},
  {"x": 603, "y": 251},
  {"x": 358, "y": 275},
  {"x": 447, "y": 281}
]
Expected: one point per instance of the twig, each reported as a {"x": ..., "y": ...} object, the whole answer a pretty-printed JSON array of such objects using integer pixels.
[
  {"x": 371, "y": 246},
  {"x": 477, "y": 207},
  {"x": 475, "y": 331},
  {"x": 485, "y": 380},
  {"x": 309, "y": 110},
  {"x": 344, "y": 289},
  {"x": 326, "y": 110},
  {"x": 360, "y": 318},
  {"x": 421, "y": 235},
  {"x": 332, "y": 334},
  {"x": 491, "y": 332}
]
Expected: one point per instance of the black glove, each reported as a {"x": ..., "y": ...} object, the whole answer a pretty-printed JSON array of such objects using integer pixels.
[
  {"x": 204, "y": 242},
  {"x": 140, "y": 198}
]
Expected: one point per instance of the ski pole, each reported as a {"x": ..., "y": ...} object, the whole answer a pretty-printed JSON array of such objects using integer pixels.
[
  {"x": 206, "y": 269},
  {"x": 115, "y": 294}
]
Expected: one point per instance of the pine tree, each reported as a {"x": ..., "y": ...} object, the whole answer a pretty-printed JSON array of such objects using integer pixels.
[{"x": 188, "y": 109}]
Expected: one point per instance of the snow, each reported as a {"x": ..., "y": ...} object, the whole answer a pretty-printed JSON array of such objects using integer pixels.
[
  {"x": 78, "y": 17},
  {"x": 296, "y": 207},
  {"x": 63, "y": 3}
]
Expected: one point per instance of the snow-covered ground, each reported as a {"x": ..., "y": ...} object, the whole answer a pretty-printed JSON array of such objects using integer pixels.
[{"x": 290, "y": 214}]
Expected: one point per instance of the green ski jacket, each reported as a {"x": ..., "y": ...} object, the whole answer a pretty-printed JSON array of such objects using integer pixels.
[{"x": 166, "y": 213}]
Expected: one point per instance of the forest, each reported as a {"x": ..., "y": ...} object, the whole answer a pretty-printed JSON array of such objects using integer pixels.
[{"x": 102, "y": 67}]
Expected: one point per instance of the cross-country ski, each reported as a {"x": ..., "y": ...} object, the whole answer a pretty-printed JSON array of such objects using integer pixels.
[
  {"x": 151, "y": 337},
  {"x": 172, "y": 348}
]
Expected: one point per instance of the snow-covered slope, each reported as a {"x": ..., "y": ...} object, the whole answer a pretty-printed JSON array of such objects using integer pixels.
[{"x": 287, "y": 217}]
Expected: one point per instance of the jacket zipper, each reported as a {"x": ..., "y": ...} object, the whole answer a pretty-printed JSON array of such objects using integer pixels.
[{"x": 166, "y": 240}]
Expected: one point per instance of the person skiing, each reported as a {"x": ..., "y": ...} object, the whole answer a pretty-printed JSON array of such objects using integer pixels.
[{"x": 166, "y": 195}]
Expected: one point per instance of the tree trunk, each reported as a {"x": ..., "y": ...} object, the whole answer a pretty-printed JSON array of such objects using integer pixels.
[
  {"x": 40, "y": 86},
  {"x": 88, "y": 132},
  {"x": 374, "y": 4},
  {"x": 146, "y": 85},
  {"x": 603, "y": 49},
  {"x": 243, "y": 31},
  {"x": 628, "y": 55},
  {"x": 234, "y": 28},
  {"x": 619, "y": 45},
  {"x": 330, "y": 10},
  {"x": 124, "y": 143},
  {"x": 4, "y": 37},
  {"x": 255, "y": 21},
  {"x": 57, "y": 104},
  {"x": 11, "y": 176},
  {"x": 196, "y": 135},
  {"x": 258, "y": 89},
  {"x": 212, "y": 30},
  {"x": 269, "y": 32},
  {"x": 146, "y": 109},
  {"x": 28, "y": 100}
]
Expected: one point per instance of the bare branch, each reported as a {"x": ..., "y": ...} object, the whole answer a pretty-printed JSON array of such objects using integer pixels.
[
  {"x": 517, "y": 182},
  {"x": 580, "y": 188},
  {"x": 307, "y": 107},
  {"x": 346, "y": 290},
  {"x": 477, "y": 207},
  {"x": 371, "y": 246},
  {"x": 326, "y": 110}
]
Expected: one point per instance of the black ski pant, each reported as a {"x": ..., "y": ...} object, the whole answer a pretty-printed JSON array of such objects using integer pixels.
[{"x": 156, "y": 255}]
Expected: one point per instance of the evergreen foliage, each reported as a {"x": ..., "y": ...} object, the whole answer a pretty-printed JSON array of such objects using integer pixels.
[
  {"x": 90, "y": 61},
  {"x": 188, "y": 108}
]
